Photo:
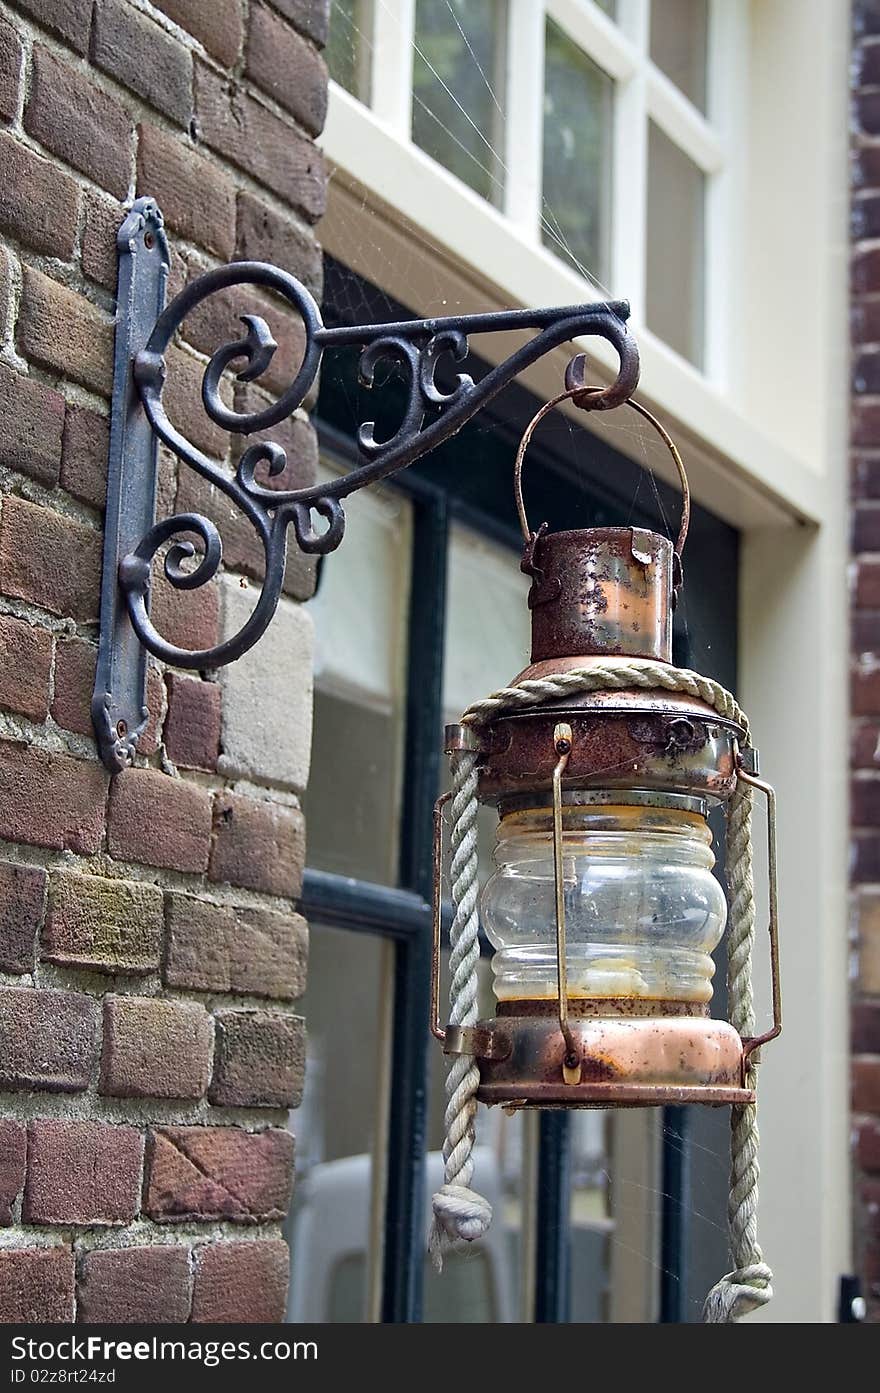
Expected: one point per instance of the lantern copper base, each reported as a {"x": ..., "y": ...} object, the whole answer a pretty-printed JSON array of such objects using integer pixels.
[{"x": 626, "y": 1061}]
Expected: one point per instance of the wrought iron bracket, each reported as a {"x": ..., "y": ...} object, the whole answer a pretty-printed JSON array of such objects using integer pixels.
[{"x": 134, "y": 538}]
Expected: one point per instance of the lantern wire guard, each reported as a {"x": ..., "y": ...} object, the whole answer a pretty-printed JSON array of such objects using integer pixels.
[{"x": 460, "y": 1213}]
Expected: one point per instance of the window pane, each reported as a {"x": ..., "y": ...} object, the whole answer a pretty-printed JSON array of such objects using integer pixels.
[
  {"x": 458, "y": 89},
  {"x": 675, "y": 252},
  {"x": 679, "y": 35},
  {"x": 578, "y": 115},
  {"x": 348, "y": 46},
  {"x": 609, "y": 6}
]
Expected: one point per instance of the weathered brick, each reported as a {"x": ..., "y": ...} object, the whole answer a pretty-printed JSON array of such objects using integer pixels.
[
  {"x": 159, "y": 821},
  {"x": 865, "y": 857},
  {"x": 25, "y": 664},
  {"x": 867, "y": 584},
  {"x": 258, "y": 844},
  {"x": 865, "y": 423},
  {"x": 287, "y": 67},
  {"x": 82, "y": 1173},
  {"x": 183, "y": 400},
  {"x": 217, "y": 24},
  {"x": 259, "y": 1060},
  {"x": 865, "y": 70},
  {"x": 217, "y": 320},
  {"x": 866, "y": 112},
  {"x": 65, "y": 332},
  {"x": 865, "y": 631},
  {"x": 866, "y": 1083},
  {"x": 155, "y": 1048},
  {"x": 86, "y": 443},
  {"x": 312, "y": 17},
  {"x": 71, "y": 20},
  {"x": 864, "y": 744},
  {"x": 865, "y": 216},
  {"x": 266, "y": 233},
  {"x": 865, "y": 802},
  {"x": 189, "y": 619},
  {"x": 866, "y": 372},
  {"x": 135, "y": 1286},
  {"x": 867, "y": 929},
  {"x": 107, "y": 925},
  {"x": 144, "y": 57},
  {"x": 865, "y": 1032},
  {"x": 244, "y": 1283},
  {"x": 39, "y": 203},
  {"x": 101, "y": 219},
  {"x": 47, "y": 1039},
  {"x": 192, "y": 726},
  {"x": 51, "y": 800},
  {"x": 13, "y": 1158},
  {"x": 75, "y": 660},
  {"x": 209, "y": 1173},
  {"x": 48, "y": 559},
  {"x": 36, "y": 1286},
  {"x": 868, "y": 1144},
  {"x": 22, "y": 906},
  {"x": 866, "y": 527},
  {"x": 79, "y": 122},
  {"x": 219, "y": 948},
  {"x": 258, "y": 141},
  {"x": 196, "y": 197},
  {"x": 865, "y": 689},
  {"x": 865, "y": 476},
  {"x": 31, "y": 425},
  {"x": 11, "y": 59},
  {"x": 864, "y": 319}
]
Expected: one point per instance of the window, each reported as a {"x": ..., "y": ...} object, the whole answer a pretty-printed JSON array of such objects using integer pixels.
[{"x": 601, "y": 131}]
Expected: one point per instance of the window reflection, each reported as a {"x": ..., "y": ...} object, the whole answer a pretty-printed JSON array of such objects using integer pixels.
[
  {"x": 348, "y": 46},
  {"x": 679, "y": 39},
  {"x": 675, "y": 251}
]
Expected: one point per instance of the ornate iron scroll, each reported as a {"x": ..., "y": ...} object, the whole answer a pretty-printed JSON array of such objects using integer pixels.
[{"x": 144, "y": 331}]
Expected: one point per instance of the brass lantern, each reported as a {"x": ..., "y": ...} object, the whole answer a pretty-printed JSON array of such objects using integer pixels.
[{"x": 603, "y": 910}]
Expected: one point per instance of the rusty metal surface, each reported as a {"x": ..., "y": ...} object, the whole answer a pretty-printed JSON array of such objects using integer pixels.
[
  {"x": 684, "y": 752},
  {"x": 643, "y": 1061},
  {"x": 600, "y": 591},
  {"x": 579, "y": 1006}
]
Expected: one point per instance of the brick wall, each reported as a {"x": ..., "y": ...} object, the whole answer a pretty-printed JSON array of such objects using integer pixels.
[
  {"x": 151, "y": 955},
  {"x": 865, "y": 723}
]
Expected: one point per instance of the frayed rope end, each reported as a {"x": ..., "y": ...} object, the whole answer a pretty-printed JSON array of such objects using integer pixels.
[
  {"x": 738, "y": 1293},
  {"x": 460, "y": 1214}
]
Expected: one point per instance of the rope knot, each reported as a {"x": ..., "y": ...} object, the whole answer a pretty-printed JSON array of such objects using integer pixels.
[
  {"x": 738, "y": 1293},
  {"x": 459, "y": 1214}
]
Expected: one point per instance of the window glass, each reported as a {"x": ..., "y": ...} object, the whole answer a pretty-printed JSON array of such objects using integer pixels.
[
  {"x": 679, "y": 37},
  {"x": 458, "y": 89},
  {"x": 675, "y": 253},
  {"x": 578, "y": 117},
  {"x": 348, "y": 46},
  {"x": 609, "y": 6}
]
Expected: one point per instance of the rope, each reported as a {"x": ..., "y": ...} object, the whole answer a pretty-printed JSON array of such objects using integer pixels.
[{"x": 460, "y": 1213}]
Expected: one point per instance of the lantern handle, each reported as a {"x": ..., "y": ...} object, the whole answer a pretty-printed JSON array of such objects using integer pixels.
[
  {"x": 571, "y": 1065},
  {"x": 582, "y": 395},
  {"x": 750, "y": 1044}
]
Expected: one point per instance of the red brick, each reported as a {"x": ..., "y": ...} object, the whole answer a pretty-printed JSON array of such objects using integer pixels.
[
  {"x": 864, "y": 745},
  {"x": 866, "y": 527},
  {"x": 866, "y": 112},
  {"x": 159, "y": 821},
  {"x": 50, "y": 800},
  {"x": 866, "y": 1084},
  {"x": 865, "y": 423},
  {"x": 241, "y": 1283},
  {"x": 49, "y": 560},
  {"x": 259, "y": 1060},
  {"x": 86, "y": 444},
  {"x": 865, "y": 1023},
  {"x": 39, "y": 203},
  {"x": 865, "y": 802},
  {"x": 103, "y": 924},
  {"x": 36, "y": 1286},
  {"x": 258, "y": 844},
  {"x": 217, "y": 24},
  {"x": 266, "y": 233},
  {"x": 189, "y": 619},
  {"x": 25, "y": 664},
  {"x": 864, "y": 319},
  {"x": 135, "y": 1286},
  {"x": 865, "y": 70},
  {"x": 65, "y": 332},
  {"x": 865, "y": 217},
  {"x": 866, "y": 372},
  {"x": 47, "y": 1039},
  {"x": 71, "y": 20},
  {"x": 82, "y": 1173},
  {"x": 74, "y": 680},
  {"x": 144, "y": 57},
  {"x": 217, "y": 320},
  {"x": 867, "y": 584},
  {"x": 183, "y": 400},
  {"x": 101, "y": 219},
  {"x": 259, "y": 142},
  {"x": 865, "y": 632},
  {"x": 287, "y": 68},
  {"x": 11, "y": 59},
  {"x": 312, "y": 17},
  {"x": 220, "y": 948},
  {"x": 22, "y": 906},
  {"x": 13, "y": 1157},
  {"x": 31, "y": 425},
  {"x": 196, "y": 197},
  {"x": 210, "y": 1173},
  {"x": 865, "y": 690},
  {"x": 192, "y": 726},
  {"x": 867, "y": 1149},
  {"x": 79, "y": 122},
  {"x": 155, "y": 1048}
]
